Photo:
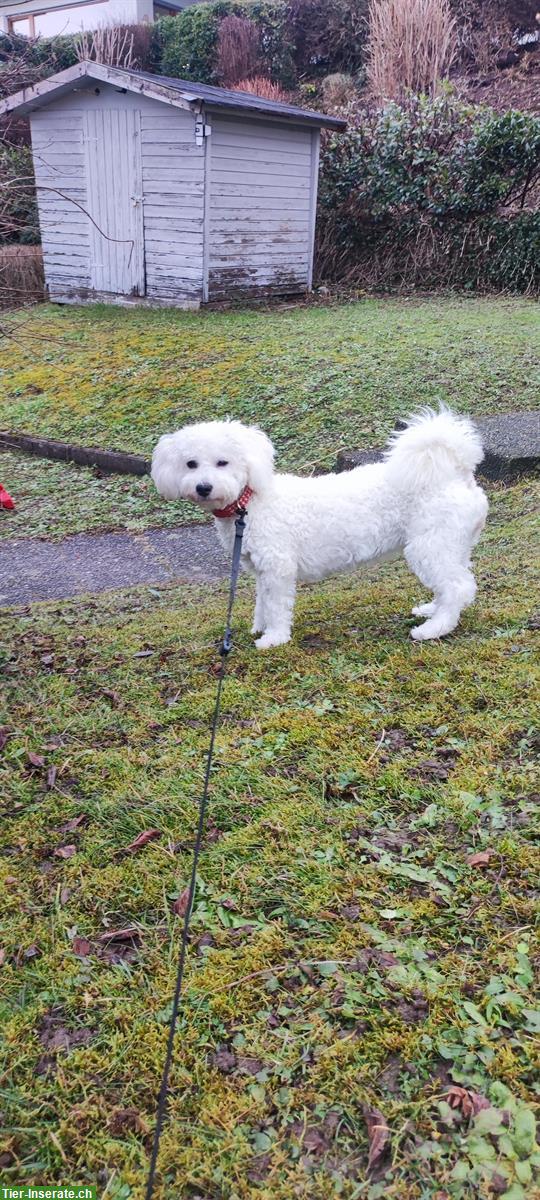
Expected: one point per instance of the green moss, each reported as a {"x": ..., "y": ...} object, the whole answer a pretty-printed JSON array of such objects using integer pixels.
[
  {"x": 354, "y": 948},
  {"x": 318, "y": 379}
]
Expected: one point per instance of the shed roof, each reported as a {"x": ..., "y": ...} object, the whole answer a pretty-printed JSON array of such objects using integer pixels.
[{"x": 179, "y": 92}]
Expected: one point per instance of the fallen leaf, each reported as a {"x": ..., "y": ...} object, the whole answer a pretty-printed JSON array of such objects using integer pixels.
[
  {"x": 47, "y": 659},
  {"x": 51, "y": 777},
  {"x": 258, "y": 1168},
  {"x": 143, "y": 653},
  {"x": 479, "y": 1102},
  {"x": 32, "y": 952},
  {"x": 2, "y": 956},
  {"x": 468, "y": 1102},
  {"x": 81, "y": 947},
  {"x": 224, "y": 1060},
  {"x": 4, "y": 735},
  {"x": 126, "y": 1120},
  {"x": 249, "y": 1066},
  {"x": 181, "y": 903},
  {"x": 35, "y": 760},
  {"x": 148, "y": 835},
  {"x": 378, "y": 1136},
  {"x": 481, "y": 859},
  {"x": 112, "y": 696},
  {"x": 64, "y": 895},
  {"x": 54, "y": 1034},
  {"x": 317, "y": 1139},
  {"x": 458, "y": 1097},
  {"x": 65, "y": 851},
  {"x": 71, "y": 825}
]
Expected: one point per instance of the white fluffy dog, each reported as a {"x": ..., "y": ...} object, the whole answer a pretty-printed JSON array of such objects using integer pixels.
[{"x": 421, "y": 500}]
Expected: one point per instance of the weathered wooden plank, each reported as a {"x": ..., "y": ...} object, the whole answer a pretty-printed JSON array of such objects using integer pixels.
[
  {"x": 254, "y": 153},
  {"x": 182, "y": 243},
  {"x": 227, "y": 171},
  {"x": 276, "y": 221},
  {"x": 256, "y": 241},
  {"x": 173, "y": 223},
  {"x": 156, "y": 271},
  {"x": 165, "y": 206},
  {"x": 162, "y": 118},
  {"x": 156, "y": 147},
  {"x": 175, "y": 256},
  {"x": 76, "y": 272},
  {"x": 59, "y": 239},
  {"x": 64, "y": 252},
  {"x": 269, "y": 256},
  {"x": 179, "y": 174},
  {"x": 68, "y": 217},
  {"x": 54, "y": 118},
  {"x": 261, "y": 204},
  {"x": 179, "y": 191},
  {"x": 248, "y": 191},
  {"x": 259, "y": 133}
]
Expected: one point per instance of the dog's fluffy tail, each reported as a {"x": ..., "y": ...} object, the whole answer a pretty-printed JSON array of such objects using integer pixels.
[{"x": 434, "y": 448}]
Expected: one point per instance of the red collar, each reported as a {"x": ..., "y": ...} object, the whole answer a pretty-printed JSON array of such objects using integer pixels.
[{"x": 237, "y": 506}]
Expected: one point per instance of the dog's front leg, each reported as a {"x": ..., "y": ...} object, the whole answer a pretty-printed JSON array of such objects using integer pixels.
[
  {"x": 258, "y": 619},
  {"x": 275, "y": 595}
]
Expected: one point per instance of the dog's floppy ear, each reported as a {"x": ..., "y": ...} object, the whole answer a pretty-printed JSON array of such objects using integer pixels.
[
  {"x": 165, "y": 467},
  {"x": 259, "y": 455}
]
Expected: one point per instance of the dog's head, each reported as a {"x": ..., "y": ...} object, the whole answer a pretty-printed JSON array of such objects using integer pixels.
[{"x": 212, "y": 463}]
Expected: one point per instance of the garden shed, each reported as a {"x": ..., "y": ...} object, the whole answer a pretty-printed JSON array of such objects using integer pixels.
[{"x": 160, "y": 191}]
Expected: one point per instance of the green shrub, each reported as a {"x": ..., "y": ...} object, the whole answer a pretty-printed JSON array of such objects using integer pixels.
[
  {"x": 328, "y": 35},
  {"x": 189, "y": 41},
  {"x": 18, "y": 206},
  {"x": 276, "y": 37},
  {"x": 444, "y": 178}
]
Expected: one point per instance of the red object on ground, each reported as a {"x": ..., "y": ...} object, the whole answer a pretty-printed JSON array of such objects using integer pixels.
[{"x": 5, "y": 499}]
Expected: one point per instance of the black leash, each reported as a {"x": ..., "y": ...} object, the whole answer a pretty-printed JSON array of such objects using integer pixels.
[{"x": 225, "y": 649}]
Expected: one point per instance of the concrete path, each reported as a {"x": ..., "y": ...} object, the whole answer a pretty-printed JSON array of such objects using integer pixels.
[{"x": 96, "y": 562}]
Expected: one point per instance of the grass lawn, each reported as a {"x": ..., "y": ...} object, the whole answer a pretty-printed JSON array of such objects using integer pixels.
[
  {"x": 317, "y": 379},
  {"x": 363, "y": 931}
]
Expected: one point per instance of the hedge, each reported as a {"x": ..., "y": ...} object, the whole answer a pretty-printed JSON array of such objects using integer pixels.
[{"x": 432, "y": 192}]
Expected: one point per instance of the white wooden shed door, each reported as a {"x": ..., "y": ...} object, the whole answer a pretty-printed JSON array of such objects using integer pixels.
[{"x": 114, "y": 200}]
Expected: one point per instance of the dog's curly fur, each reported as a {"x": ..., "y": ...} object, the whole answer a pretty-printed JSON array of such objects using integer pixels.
[{"x": 422, "y": 501}]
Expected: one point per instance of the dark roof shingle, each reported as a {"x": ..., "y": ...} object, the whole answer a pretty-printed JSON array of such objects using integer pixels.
[{"x": 227, "y": 98}]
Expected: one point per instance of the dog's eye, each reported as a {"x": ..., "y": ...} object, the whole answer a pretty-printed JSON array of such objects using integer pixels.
[
  {"x": 222, "y": 462},
  {"x": 192, "y": 464}
]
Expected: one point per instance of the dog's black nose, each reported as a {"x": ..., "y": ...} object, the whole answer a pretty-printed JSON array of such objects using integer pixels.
[{"x": 203, "y": 489}]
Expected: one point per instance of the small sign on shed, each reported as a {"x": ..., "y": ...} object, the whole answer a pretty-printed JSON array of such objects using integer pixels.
[{"x": 159, "y": 191}]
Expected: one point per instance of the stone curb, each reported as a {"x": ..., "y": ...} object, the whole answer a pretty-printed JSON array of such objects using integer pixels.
[
  {"x": 116, "y": 461},
  {"x": 511, "y": 447}
]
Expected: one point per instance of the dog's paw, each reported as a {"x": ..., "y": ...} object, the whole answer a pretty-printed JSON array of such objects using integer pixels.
[
  {"x": 270, "y": 639},
  {"x": 256, "y": 628},
  {"x": 424, "y": 610},
  {"x": 437, "y": 627}
]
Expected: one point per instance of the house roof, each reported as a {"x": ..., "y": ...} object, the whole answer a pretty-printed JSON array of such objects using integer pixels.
[{"x": 181, "y": 93}]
